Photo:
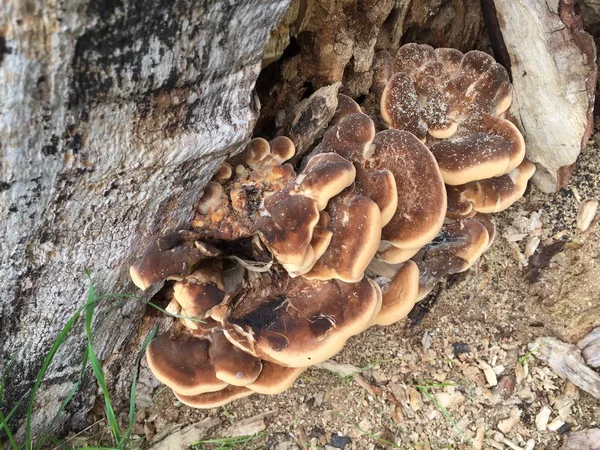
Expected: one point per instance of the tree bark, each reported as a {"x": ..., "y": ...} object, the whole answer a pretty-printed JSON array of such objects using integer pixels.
[
  {"x": 552, "y": 63},
  {"x": 113, "y": 115}
]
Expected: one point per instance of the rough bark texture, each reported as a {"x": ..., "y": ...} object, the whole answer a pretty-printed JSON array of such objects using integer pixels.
[
  {"x": 554, "y": 76},
  {"x": 113, "y": 115},
  {"x": 342, "y": 40}
]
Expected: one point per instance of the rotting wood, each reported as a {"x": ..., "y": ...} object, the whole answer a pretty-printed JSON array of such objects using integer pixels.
[
  {"x": 566, "y": 361},
  {"x": 554, "y": 78},
  {"x": 112, "y": 119}
]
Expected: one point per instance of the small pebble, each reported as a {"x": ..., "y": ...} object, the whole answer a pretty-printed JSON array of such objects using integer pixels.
[
  {"x": 506, "y": 386},
  {"x": 458, "y": 348}
]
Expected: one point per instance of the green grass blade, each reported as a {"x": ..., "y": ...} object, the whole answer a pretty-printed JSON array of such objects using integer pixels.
[
  {"x": 149, "y": 303},
  {"x": 66, "y": 401},
  {"x": 7, "y": 430},
  {"x": 53, "y": 349},
  {"x": 96, "y": 365},
  {"x": 134, "y": 385}
]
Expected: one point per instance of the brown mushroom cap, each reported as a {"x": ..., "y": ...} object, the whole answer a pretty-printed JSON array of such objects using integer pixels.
[
  {"x": 421, "y": 193},
  {"x": 454, "y": 250},
  {"x": 488, "y": 148},
  {"x": 490, "y": 195},
  {"x": 169, "y": 255},
  {"x": 181, "y": 360},
  {"x": 274, "y": 379},
  {"x": 450, "y": 96},
  {"x": 296, "y": 322},
  {"x": 214, "y": 399},
  {"x": 400, "y": 296},
  {"x": 289, "y": 228},
  {"x": 356, "y": 227},
  {"x": 352, "y": 139},
  {"x": 224, "y": 173},
  {"x": 345, "y": 107},
  {"x": 325, "y": 176},
  {"x": 200, "y": 291},
  {"x": 282, "y": 149},
  {"x": 231, "y": 364},
  {"x": 395, "y": 255}
]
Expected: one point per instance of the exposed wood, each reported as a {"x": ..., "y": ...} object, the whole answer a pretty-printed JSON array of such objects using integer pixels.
[
  {"x": 337, "y": 40},
  {"x": 566, "y": 361},
  {"x": 554, "y": 78},
  {"x": 113, "y": 115},
  {"x": 590, "y": 348}
]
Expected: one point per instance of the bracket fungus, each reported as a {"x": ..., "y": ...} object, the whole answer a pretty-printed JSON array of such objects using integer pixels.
[
  {"x": 281, "y": 265},
  {"x": 455, "y": 104}
]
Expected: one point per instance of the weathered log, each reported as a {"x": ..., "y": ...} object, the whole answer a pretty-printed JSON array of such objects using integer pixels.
[
  {"x": 552, "y": 62},
  {"x": 590, "y": 348},
  {"x": 566, "y": 361},
  {"x": 336, "y": 40},
  {"x": 113, "y": 115}
]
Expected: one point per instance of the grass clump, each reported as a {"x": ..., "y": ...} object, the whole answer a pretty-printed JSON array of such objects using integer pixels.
[
  {"x": 120, "y": 437},
  {"x": 230, "y": 443}
]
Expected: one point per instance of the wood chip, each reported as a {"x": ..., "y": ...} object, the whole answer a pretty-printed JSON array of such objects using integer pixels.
[
  {"x": 479, "y": 438},
  {"x": 566, "y": 361},
  {"x": 248, "y": 427},
  {"x": 532, "y": 245},
  {"x": 507, "y": 425},
  {"x": 489, "y": 373},
  {"x": 414, "y": 399},
  {"x": 183, "y": 438},
  {"x": 511, "y": 444},
  {"x": 519, "y": 373},
  {"x": 556, "y": 424},
  {"x": 449, "y": 401},
  {"x": 542, "y": 418},
  {"x": 346, "y": 370},
  {"x": 585, "y": 215},
  {"x": 530, "y": 444}
]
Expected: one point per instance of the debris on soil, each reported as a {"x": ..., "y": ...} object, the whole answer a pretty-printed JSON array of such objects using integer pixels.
[
  {"x": 540, "y": 259},
  {"x": 186, "y": 436},
  {"x": 566, "y": 361},
  {"x": 583, "y": 440}
]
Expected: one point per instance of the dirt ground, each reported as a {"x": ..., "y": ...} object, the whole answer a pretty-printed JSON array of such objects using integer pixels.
[{"x": 422, "y": 383}]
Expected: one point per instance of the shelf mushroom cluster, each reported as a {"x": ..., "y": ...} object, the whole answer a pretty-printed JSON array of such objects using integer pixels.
[{"x": 282, "y": 265}]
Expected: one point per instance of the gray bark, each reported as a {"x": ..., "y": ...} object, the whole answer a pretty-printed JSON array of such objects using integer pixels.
[
  {"x": 113, "y": 115},
  {"x": 552, "y": 62}
]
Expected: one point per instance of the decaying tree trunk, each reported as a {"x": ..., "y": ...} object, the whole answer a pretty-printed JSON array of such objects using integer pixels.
[
  {"x": 553, "y": 65},
  {"x": 114, "y": 114}
]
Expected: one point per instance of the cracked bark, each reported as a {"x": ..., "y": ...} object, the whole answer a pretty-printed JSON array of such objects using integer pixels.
[
  {"x": 113, "y": 115},
  {"x": 554, "y": 79}
]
